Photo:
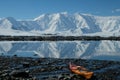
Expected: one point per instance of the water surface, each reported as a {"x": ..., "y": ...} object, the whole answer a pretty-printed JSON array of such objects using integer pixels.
[{"x": 102, "y": 50}]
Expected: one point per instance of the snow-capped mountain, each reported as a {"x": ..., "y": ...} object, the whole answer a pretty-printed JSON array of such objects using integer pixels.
[
  {"x": 62, "y": 23},
  {"x": 107, "y": 50}
]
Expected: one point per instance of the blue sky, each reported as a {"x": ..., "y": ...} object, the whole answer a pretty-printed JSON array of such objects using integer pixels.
[{"x": 29, "y": 9}]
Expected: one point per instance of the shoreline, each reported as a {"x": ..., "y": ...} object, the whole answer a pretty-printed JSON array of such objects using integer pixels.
[{"x": 56, "y": 69}]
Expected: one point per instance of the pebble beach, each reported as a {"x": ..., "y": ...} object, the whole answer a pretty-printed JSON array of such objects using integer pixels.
[{"x": 21, "y": 68}]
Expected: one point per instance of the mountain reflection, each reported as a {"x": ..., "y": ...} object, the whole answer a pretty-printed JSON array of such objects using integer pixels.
[{"x": 103, "y": 50}]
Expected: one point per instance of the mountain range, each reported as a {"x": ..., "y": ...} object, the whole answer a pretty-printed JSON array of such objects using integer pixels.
[{"x": 62, "y": 24}]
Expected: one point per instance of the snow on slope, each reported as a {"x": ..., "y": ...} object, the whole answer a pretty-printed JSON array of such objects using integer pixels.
[
  {"x": 107, "y": 50},
  {"x": 109, "y": 24},
  {"x": 63, "y": 23},
  {"x": 10, "y": 23}
]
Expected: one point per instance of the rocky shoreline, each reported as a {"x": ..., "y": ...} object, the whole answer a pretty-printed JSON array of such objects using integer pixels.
[{"x": 19, "y": 68}]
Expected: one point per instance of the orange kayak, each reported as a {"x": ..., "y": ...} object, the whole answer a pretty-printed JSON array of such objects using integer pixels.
[{"x": 80, "y": 71}]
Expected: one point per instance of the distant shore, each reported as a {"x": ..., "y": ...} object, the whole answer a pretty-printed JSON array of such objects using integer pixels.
[
  {"x": 56, "y": 38},
  {"x": 56, "y": 69}
]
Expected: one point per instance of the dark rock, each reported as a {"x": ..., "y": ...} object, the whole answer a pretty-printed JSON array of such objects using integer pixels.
[
  {"x": 26, "y": 64},
  {"x": 17, "y": 73},
  {"x": 55, "y": 69}
]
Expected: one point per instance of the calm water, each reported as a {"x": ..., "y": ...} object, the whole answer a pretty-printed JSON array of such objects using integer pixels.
[{"x": 108, "y": 50}]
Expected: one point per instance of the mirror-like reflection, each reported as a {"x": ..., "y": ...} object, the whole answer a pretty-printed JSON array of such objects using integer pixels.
[{"x": 102, "y": 50}]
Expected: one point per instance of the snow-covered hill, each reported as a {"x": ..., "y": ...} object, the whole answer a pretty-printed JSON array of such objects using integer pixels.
[{"x": 62, "y": 24}]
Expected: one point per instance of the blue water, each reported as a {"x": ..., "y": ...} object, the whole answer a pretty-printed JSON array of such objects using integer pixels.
[{"x": 101, "y": 50}]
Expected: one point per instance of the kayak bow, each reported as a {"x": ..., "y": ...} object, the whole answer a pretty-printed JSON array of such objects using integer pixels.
[{"x": 80, "y": 71}]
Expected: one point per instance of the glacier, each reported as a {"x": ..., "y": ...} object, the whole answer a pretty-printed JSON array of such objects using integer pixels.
[{"x": 76, "y": 24}]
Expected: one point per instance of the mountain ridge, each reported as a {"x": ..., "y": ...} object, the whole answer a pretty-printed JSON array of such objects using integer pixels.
[{"x": 63, "y": 24}]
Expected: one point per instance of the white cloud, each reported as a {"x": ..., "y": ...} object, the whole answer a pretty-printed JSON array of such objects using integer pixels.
[{"x": 116, "y": 10}]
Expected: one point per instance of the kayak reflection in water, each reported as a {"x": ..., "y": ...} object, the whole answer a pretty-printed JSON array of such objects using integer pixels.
[{"x": 80, "y": 70}]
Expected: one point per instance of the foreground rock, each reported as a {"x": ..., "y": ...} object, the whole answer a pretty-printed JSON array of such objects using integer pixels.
[{"x": 16, "y": 68}]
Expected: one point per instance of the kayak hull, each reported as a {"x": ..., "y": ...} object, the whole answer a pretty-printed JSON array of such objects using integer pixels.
[{"x": 85, "y": 74}]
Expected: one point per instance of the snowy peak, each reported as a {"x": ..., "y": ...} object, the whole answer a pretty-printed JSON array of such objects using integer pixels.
[
  {"x": 6, "y": 23},
  {"x": 64, "y": 23},
  {"x": 81, "y": 23},
  {"x": 10, "y": 23},
  {"x": 59, "y": 22},
  {"x": 49, "y": 15},
  {"x": 11, "y": 19},
  {"x": 108, "y": 24}
]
